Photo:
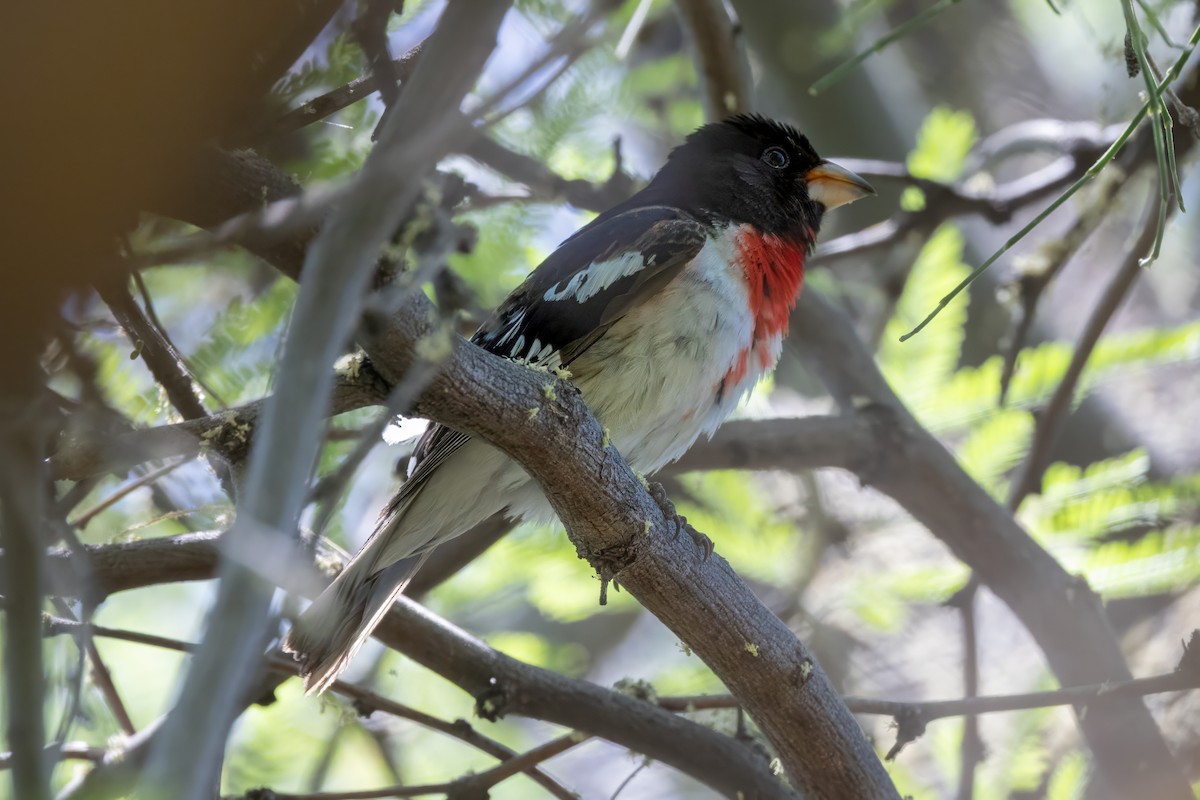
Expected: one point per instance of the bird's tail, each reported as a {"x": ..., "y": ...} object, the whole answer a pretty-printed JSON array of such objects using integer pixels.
[{"x": 329, "y": 632}]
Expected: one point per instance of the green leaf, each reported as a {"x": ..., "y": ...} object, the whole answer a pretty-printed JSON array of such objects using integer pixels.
[
  {"x": 918, "y": 370},
  {"x": 1108, "y": 497},
  {"x": 239, "y": 353},
  {"x": 1069, "y": 778},
  {"x": 995, "y": 446},
  {"x": 943, "y": 143},
  {"x": 1157, "y": 563},
  {"x": 570, "y": 658},
  {"x": 927, "y": 585},
  {"x": 972, "y": 391}
]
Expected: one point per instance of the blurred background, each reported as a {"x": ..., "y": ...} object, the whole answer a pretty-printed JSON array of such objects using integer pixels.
[{"x": 871, "y": 590}]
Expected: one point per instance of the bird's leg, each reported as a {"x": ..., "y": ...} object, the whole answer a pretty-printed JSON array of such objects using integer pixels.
[{"x": 678, "y": 520}]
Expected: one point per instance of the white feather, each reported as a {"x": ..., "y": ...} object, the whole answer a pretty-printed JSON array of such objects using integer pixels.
[{"x": 597, "y": 277}]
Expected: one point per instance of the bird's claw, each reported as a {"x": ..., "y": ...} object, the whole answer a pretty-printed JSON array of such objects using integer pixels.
[
  {"x": 679, "y": 521},
  {"x": 702, "y": 541}
]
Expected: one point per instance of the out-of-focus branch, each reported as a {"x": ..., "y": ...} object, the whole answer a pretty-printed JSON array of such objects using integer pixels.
[
  {"x": 338, "y": 269},
  {"x": 229, "y": 433},
  {"x": 545, "y": 183},
  {"x": 542, "y": 181},
  {"x": 100, "y": 674},
  {"x": 1049, "y": 424},
  {"x": 23, "y": 488},
  {"x": 793, "y": 444},
  {"x": 78, "y": 751},
  {"x": 148, "y": 479},
  {"x": 468, "y": 786},
  {"x": 366, "y": 701},
  {"x": 971, "y": 750},
  {"x": 1043, "y": 267},
  {"x": 1065, "y": 618},
  {"x": 945, "y": 201},
  {"x": 370, "y": 28},
  {"x": 713, "y": 38}
]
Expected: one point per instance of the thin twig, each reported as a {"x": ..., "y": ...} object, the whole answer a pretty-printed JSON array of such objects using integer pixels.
[
  {"x": 971, "y": 750},
  {"x": 370, "y": 28},
  {"x": 108, "y": 502},
  {"x": 840, "y": 71},
  {"x": 946, "y": 201},
  {"x": 1049, "y": 424},
  {"x": 1045, "y": 267},
  {"x": 629, "y": 778},
  {"x": 506, "y": 769},
  {"x": 228, "y": 432},
  {"x": 100, "y": 673},
  {"x": 152, "y": 315},
  {"x": 913, "y": 716},
  {"x": 1087, "y": 176},
  {"x": 335, "y": 100},
  {"x": 155, "y": 349},
  {"x": 78, "y": 751}
]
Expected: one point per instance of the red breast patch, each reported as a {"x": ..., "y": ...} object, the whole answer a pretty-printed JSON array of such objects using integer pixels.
[{"x": 774, "y": 269}]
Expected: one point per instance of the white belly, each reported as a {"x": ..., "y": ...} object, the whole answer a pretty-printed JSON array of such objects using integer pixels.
[{"x": 667, "y": 371}]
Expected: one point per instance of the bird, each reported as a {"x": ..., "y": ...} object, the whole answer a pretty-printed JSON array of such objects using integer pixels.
[{"x": 665, "y": 310}]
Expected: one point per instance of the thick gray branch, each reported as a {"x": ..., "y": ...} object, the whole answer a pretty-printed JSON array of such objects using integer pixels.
[{"x": 615, "y": 524}]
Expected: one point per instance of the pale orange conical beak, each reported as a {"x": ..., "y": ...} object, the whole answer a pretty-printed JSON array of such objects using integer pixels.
[{"x": 833, "y": 186}]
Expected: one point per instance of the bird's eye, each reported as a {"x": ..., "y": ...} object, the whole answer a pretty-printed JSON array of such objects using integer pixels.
[{"x": 775, "y": 157}]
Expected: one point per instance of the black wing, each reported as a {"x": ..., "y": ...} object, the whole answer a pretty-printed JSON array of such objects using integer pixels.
[
  {"x": 565, "y": 305},
  {"x": 591, "y": 281}
]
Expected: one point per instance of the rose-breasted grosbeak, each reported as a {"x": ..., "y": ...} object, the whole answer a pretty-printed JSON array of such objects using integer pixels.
[{"x": 666, "y": 309}]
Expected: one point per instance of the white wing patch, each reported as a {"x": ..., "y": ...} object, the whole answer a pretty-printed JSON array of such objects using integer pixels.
[{"x": 589, "y": 282}]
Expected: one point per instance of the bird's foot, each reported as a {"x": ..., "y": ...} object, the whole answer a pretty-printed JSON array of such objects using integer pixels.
[{"x": 679, "y": 520}]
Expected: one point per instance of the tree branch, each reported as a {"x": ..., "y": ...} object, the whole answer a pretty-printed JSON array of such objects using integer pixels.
[
  {"x": 713, "y": 39},
  {"x": 229, "y": 433},
  {"x": 155, "y": 350},
  {"x": 615, "y": 524},
  {"x": 79, "y": 751},
  {"x": 498, "y": 682},
  {"x": 1028, "y": 477},
  {"x": 338, "y": 269},
  {"x": 22, "y": 506},
  {"x": 964, "y": 511},
  {"x": 1065, "y": 617},
  {"x": 335, "y": 100},
  {"x": 912, "y": 717}
]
